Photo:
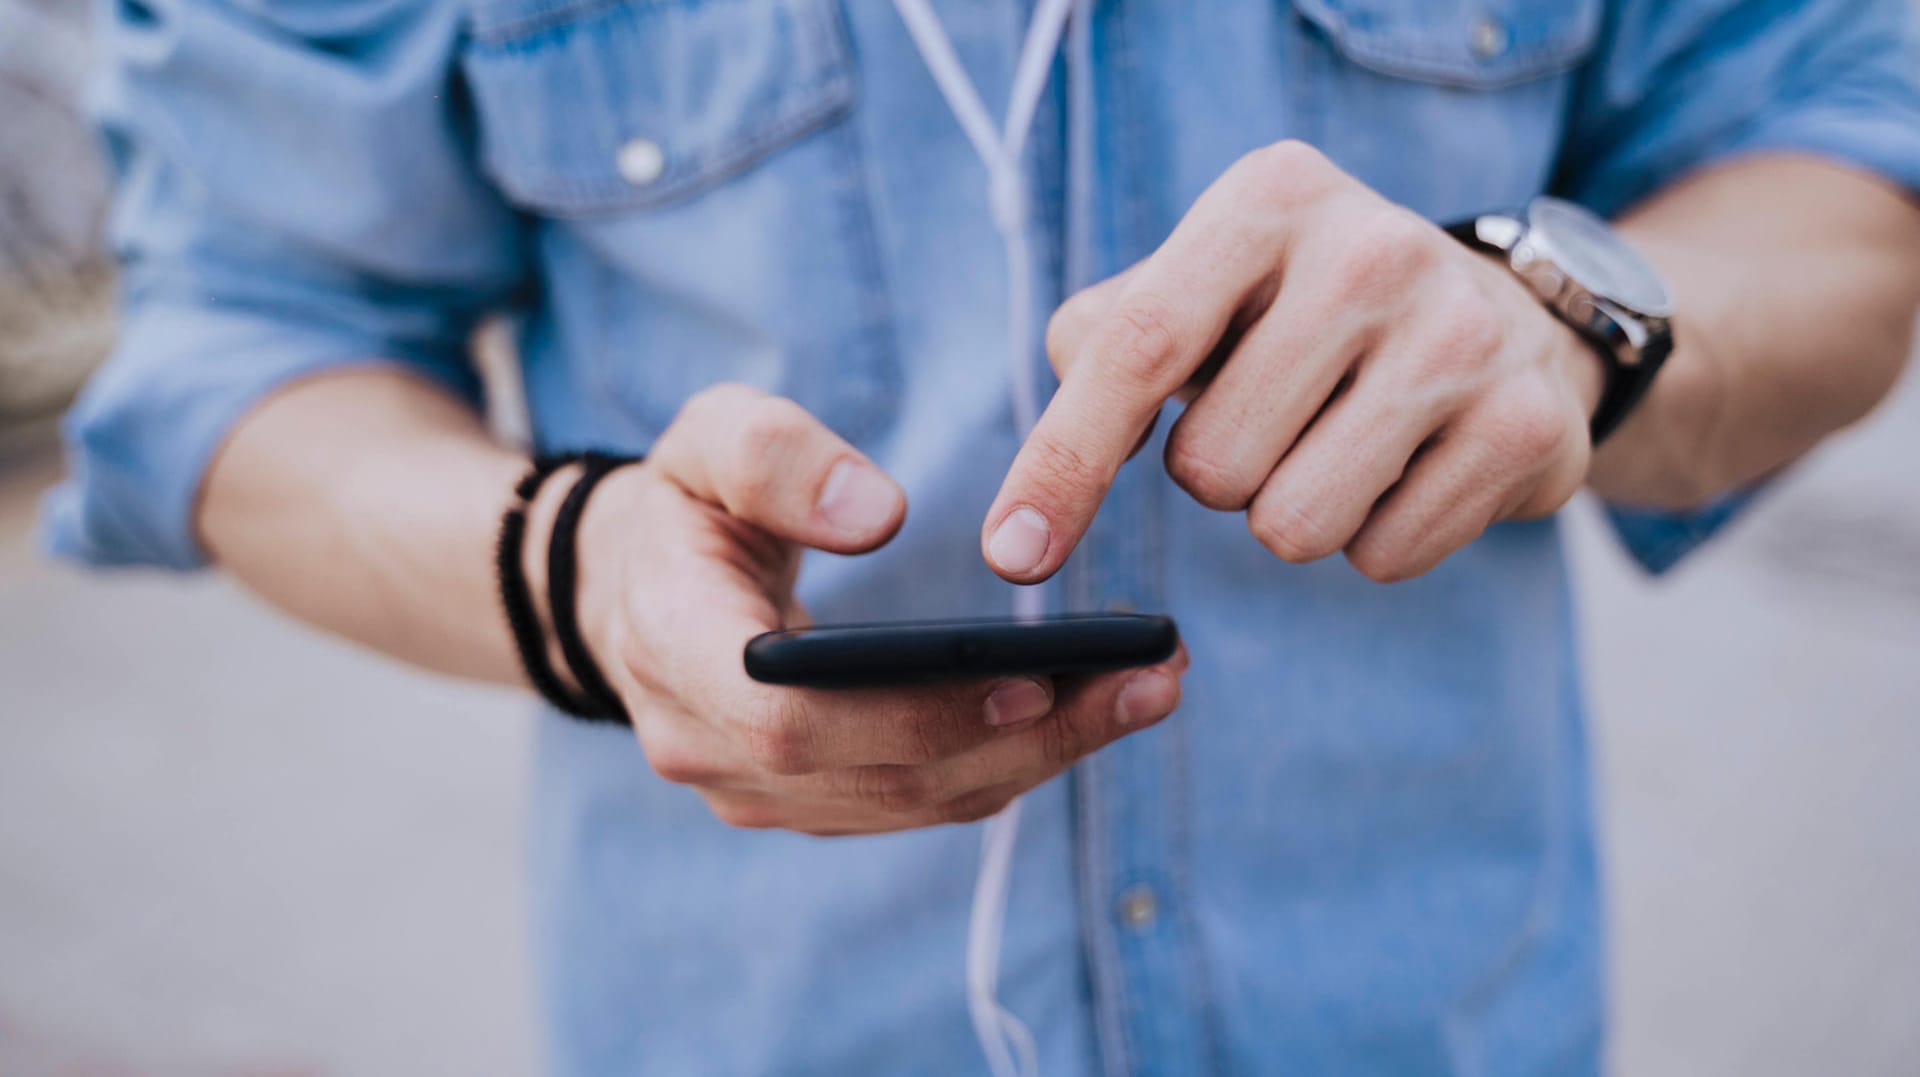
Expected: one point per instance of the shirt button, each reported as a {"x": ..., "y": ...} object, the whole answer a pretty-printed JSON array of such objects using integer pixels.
[
  {"x": 1490, "y": 37},
  {"x": 1138, "y": 907},
  {"x": 641, "y": 161}
]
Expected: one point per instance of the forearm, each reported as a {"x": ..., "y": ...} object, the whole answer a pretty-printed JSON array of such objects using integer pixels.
[
  {"x": 1796, "y": 284},
  {"x": 367, "y": 502}
]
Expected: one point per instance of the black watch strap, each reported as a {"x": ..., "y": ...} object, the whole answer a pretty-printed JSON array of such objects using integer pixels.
[{"x": 1624, "y": 384}]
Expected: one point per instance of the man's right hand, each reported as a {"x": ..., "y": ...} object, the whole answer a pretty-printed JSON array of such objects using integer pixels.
[{"x": 688, "y": 556}]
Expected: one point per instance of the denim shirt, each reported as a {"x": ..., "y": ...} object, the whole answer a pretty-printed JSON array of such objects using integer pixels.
[{"x": 1363, "y": 845}]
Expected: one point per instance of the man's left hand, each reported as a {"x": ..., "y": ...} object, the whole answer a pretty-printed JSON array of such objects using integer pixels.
[{"x": 1356, "y": 380}]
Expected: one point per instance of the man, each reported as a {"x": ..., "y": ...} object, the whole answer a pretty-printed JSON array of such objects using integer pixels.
[{"x": 1363, "y": 842}]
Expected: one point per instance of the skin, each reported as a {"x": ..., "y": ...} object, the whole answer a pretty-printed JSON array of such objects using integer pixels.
[
  {"x": 313, "y": 502},
  {"x": 735, "y": 487},
  {"x": 1356, "y": 382},
  {"x": 1361, "y": 382}
]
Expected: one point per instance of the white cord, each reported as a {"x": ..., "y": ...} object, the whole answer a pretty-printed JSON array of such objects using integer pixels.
[
  {"x": 1008, "y": 1043},
  {"x": 1003, "y": 1036}
]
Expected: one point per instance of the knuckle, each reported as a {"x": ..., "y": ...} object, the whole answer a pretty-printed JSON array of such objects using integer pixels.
[
  {"x": 924, "y": 742},
  {"x": 767, "y": 435},
  {"x": 1397, "y": 226},
  {"x": 1289, "y": 533},
  {"x": 752, "y": 483},
  {"x": 1559, "y": 484},
  {"x": 1061, "y": 742},
  {"x": 1385, "y": 250},
  {"x": 1380, "y": 562},
  {"x": 1373, "y": 267},
  {"x": 744, "y": 814},
  {"x": 772, "y": 430},
  {"x": 1529, "y": 424},
  {"x": 1195, "y": 468},
  {"x": 1468, "y": 331},
  {"x": 1368, "y": 268},
  {"x": 1059, "y": 469},
  {"x": 719, "y": 402},
  {"x": 973, "y": 807},
  {"x": 1149, "y": 355},
  {"x": 891, "y": 789},
  {"x": 678, "y": 766},
  {"x": 1286, "y": 168},
  {"x": 1450, "y": 358},
  {"x": 1068, "y": 327},
  {"x": 1290, "y": 155},
  {"x": 777, "y": 742}
]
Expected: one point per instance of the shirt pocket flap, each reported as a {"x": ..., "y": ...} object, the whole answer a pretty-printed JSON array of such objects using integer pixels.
[
  {"x": 1474, "y": 44},
  {"x": 590, "y": 106}
]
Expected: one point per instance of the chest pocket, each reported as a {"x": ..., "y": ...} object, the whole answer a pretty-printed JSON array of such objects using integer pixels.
[
  {"x": 1449, "y": 106},
  {"x": 702, "y": 198}
]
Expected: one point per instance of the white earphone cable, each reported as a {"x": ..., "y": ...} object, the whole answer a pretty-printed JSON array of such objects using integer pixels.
[{"x": 1008, "y": 1044}]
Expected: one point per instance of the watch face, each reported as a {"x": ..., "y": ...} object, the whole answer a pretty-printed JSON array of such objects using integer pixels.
[{"x": 1597, "y": 259}]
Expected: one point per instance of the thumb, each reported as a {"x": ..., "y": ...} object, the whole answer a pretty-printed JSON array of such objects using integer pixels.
[{"x": 765, "y": 461}]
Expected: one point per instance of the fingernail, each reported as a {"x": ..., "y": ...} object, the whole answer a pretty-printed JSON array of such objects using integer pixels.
[
  {"x": 1019, "y": 542},
  {"x": 1017, "y": 701},
  {"x": 857, "y": 499},
  {"x": 1149, "y": 696}
]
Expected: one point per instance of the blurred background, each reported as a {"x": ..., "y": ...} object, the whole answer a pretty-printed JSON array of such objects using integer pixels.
[{"x": 207, "y": 868}]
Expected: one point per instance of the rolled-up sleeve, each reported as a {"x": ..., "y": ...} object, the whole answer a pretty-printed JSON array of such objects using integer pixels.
[
  {"x": 296, "y": 192},
  {"x": 1682, "y": 84}
]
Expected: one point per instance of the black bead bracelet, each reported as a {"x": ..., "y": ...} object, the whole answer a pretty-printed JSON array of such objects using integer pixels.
[
  {"x": 596, "y": 699},
  {"x": 563, "y": 582}
]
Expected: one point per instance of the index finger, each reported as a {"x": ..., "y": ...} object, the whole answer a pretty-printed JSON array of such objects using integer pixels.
[{"x": 1144, "y": 348}]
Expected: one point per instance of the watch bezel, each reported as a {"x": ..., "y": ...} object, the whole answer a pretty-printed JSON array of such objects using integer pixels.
[
  {"x": 1540, "y": 242},
  {"x": 1625, "y": 332}
]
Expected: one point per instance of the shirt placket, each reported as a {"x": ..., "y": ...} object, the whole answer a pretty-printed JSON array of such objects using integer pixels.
[
  {"x": 1132, "y": 844},
  {"x": 1129, "y": 813}
]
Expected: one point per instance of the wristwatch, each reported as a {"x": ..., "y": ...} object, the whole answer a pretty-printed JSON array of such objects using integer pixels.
[{"x": 1596, "y": 283}]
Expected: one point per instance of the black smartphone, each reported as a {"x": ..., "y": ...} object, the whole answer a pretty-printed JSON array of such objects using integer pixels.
[{"x": 910, "y": 652}]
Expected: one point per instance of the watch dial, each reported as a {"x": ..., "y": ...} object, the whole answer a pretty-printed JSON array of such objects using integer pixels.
[{"x": 1596, "y": 258}]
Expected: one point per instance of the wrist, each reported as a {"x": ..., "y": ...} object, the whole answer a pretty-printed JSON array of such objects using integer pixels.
[
  {"x": 1597, "y": 284},
  {"x": 1581, "y": 371},
  {"x": 1663, "y": 455},
  {"x": 1567, "y": 356}
]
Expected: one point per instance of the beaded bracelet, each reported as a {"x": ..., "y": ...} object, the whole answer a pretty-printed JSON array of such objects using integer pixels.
[
  {"x": 562, "y": 587},
  {"x": 516, "y": 598}
]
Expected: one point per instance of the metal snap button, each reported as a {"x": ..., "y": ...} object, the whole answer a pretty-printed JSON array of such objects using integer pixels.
[
  {"x": 1138, "y": 907},
  {"x": 1490, "y": 37},
  {"x": 641, "y": 161}
]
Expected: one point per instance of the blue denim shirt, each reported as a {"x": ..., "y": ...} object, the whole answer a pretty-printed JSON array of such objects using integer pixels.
[{"x": 1363, "y": 845}]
